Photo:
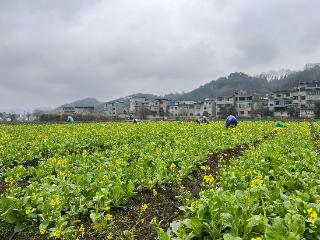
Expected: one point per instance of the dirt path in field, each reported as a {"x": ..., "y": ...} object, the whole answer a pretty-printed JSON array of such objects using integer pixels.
[{"x": 162, "y": 203}]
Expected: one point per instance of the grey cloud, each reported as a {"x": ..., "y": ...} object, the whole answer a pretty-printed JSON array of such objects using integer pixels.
[{"x": 57, "y": 51}]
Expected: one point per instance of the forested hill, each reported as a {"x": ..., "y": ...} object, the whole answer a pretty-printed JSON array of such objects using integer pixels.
[
  {"x": 254, "y": 84},
  {"x": 225, "y": 86}
]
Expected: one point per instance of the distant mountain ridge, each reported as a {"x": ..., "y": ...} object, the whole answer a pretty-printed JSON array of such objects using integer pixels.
[
  {"x": 86, "y": 102},
  {"x": 224, "y": 86},
  {"x": 260, "y": 84}
]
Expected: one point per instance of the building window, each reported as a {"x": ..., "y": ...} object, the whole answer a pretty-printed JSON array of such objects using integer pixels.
[
  {"x": 302, "y": 97},
  {"x": 205, "y": 108},
  {"x": 191, "y": 114},
  {"x": 241, "y": 112},
  {"x": 176, "y": 108}
]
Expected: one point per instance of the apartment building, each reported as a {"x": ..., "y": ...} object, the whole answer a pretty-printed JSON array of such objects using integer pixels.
[
  {"x": 223, "y": 105},
  {"x": 243, "y": 104},
  {"x": 116, "y": 109}
]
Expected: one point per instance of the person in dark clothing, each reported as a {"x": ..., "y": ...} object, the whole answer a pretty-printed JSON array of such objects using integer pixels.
[{"x": 231, "y": 121}]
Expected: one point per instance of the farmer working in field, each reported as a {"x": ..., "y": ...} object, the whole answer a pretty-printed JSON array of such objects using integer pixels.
[
  {"x": 231, "y": 121},
  {"x": 70, "y": 120}
]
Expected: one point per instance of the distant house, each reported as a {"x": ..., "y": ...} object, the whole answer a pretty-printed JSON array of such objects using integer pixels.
[
  {"x": 138, "y": 107},
  {"x": 84, "y": 109},
  {"x": 67, "y": 108},
  {"x": 309, "y": 93},
  {"x": 243, "y": 103},
  {"x": 279, "y": 103},
  {"x": 157, "y": 109},
  {"x": 191, "y": 109},
  {"x": 223, "y": 104},
  {"x": 70, "y": 109},
  {"x": 116, "y": 109}
]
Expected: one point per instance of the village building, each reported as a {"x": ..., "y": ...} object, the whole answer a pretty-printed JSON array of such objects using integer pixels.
[
  {"x": 70, "y": 109},
  {"x": 224, "y": 105},
  {"x": 116, "y": 109},
  {"x": 243, "y": 104},
  {"x": 309, "y": 93},
  {"x": 279, "y": 102}
]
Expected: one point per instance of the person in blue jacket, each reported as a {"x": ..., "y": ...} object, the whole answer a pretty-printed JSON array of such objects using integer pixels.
[{"x": 231, "y": 121}]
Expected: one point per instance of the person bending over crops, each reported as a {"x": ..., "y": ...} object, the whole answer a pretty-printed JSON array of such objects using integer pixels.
[
  {"x": 70, "y": 120},
  {"x": 231, "y": 122}
]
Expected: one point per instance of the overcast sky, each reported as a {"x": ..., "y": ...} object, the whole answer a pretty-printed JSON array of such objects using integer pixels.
[{"x": 57, "y": 51}]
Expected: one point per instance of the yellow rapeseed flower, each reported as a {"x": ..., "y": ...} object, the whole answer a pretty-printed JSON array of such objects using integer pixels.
[
  {"x": 154, "y": 192},
  {"x": 61, "y": 162},
  {"x": 312, "y": 215},
  {"x": 110, "y": 236},
  {"x": 153, "y": 221},
  {"x": 82, "y": 230},
  {"x": 109, "y": 217},
  {"x": 57, "y": 233},
  {"x": 173, "y": 167},
  {"x": 61, "y": 174},
  {"x": 256, "y": 238},
  {"x": 257, "y": 182},
  {"x": 205, "y": 168},
  {"x": 144, "y": 207},
  {"x": 42, "y": 231},
  {"x": 208, "y": 179},
  {"x": 28, "y": 211},
  {"x": 55, "y": 201},
  {"x": 8, "y": 180}
]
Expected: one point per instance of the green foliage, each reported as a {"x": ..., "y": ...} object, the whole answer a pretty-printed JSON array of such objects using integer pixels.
[
  {"x": 271, "y": 192},
  {"x": 54, "y": 174}
]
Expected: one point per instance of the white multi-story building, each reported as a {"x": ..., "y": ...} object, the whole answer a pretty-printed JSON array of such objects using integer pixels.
[
  {"x": 158, "y": 108},
  {"x": 116, "y": 109},
  {"x": 279, "y": 102},
  {"x": 309, "y": 93},
  {"x": 192, "y": 109},
  {"x": 243, "y": 104},
  {"x": 223, "y": 103}
]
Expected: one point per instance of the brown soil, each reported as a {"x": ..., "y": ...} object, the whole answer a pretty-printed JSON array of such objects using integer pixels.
[
  {"x": 3, "y": 187},
  {"x": 30, "y": 163}
]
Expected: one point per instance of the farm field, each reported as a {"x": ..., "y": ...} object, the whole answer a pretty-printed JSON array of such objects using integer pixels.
[{"x": 130, "y": 181}]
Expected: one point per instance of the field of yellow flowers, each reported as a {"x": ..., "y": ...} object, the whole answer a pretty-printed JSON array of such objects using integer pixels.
[
  {"x": 270, "y": 192},
  {"x": 82, "y": 181}
]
